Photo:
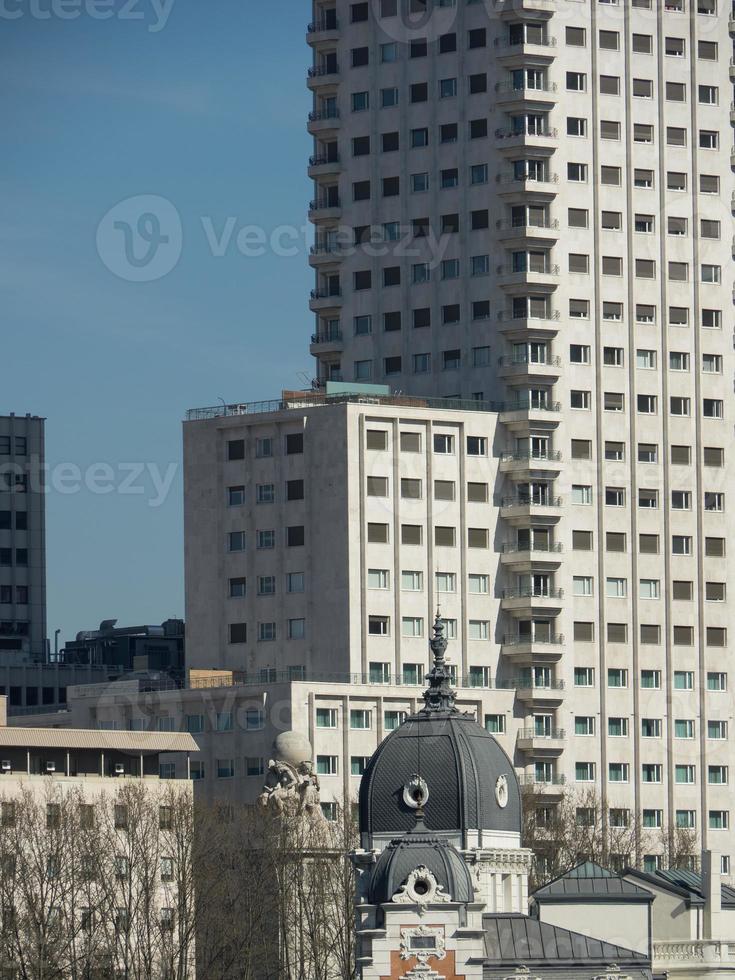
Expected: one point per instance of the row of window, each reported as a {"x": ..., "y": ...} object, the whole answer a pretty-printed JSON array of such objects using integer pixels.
[
  {"x": 17, "y": 446},
  {"x": 265, "y": 493},
  {"x": 713, "y": 502},
  {"x": 527, "y": 32},
  {"x": 532, "y": 307},
  {"x": 293, "y": 445},
  {"x": 651, "y": 772},
  {"x": 717, "y": 819},
  {"x": 617, "y": 677},
  {"x": 360, "y": 12},
  {"x": 683, "y": 728},
  {"x": 266, "y": 539},
  {"x": 10, "y": 520},
  {"x": 576, "y": 81},
  {"x": 18, "y": 594},
  {"x": 268, "y": 632},
  {"x": 648, "y": 544},
  {"x": 614, "y": 401},
  {"x": 10, "y": 556}
]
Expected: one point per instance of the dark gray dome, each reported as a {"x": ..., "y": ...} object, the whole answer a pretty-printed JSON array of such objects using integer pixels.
[
  {"x": 420, "y": 849},
  {"x": 471, "y": 782}
]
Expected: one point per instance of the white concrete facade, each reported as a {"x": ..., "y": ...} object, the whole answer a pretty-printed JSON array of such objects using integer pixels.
[
  {"x": 396, "y": 523},
  {"x": 558, "y": 176}
]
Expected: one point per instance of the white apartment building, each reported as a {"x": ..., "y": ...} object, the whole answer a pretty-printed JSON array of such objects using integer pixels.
[
  {"x": 323, "y": 531},
  {"x": 531, "y": 203}
]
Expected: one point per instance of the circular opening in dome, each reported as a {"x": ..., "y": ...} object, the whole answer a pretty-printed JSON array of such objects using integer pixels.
[
  {"x": 418, "y": 794},
  {"x": 421, "y": 887}
]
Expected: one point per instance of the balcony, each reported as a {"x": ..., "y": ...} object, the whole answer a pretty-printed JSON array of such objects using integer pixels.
[
  {"x": 321, "y": 122},
  {"x": 532, "y": 602},
  {"x": 544, "y": 280},
  {"x": 325, "y": 253},
  {"x": 528, "y": 327},
  {"x": 732, "y": 69},
  {"x": 520, "y": 510},
  {"x": 322, "y": 31},
  {"x": 527, "y": 650},
  {"x": 532, "y": 558},
  {"x": 522, "y": 415},
  {"x": 325, "y": 210},
  {"x": 328, "y": 342},
  {"x": 510, "y": 96},
  {"x": 514, "y": 7},
  {"x": 538, "y": 695},
  {"x": 323, "y": 166},
  {"x": 698, "y": 955},
  {"x": 536, "y": 743},
  {"x": 520, "y": 53},
  {"x": 528, "y": 466},
  {"x": 522, "y": 233},
  {"x": 522, "y": 369},
  {"x": 321, "y": 76},
  {"x": 544, "y": 188},
  {"x": 550, "y": 788},
  {"x": 511, "y": 140},
  {"x": 325, "y": 299}
]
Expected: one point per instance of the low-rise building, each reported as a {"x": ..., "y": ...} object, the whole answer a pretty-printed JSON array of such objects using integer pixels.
[{"x": 95, "y": 847}]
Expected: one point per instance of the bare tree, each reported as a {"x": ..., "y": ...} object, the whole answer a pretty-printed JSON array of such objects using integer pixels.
[{"x": 578, "y": 826}]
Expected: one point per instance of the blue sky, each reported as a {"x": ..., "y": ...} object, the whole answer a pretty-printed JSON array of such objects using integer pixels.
[{"x": 208, "y": 113}]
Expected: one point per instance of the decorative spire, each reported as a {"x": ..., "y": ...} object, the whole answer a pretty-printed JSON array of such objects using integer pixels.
[{"x": 439, "y": 696}]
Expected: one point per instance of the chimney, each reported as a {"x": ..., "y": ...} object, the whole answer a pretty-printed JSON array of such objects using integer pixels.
[
  {"x": 712, "y": 892},
  {"x": 3, "y": 711}
]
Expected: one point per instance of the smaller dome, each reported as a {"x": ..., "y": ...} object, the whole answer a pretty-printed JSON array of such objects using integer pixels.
[
  {"x": 428, "y": 866},
  {"x": 293, "y": 748}
]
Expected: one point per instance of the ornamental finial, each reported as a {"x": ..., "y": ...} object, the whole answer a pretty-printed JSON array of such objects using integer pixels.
[{"x": 439, "y": 696}]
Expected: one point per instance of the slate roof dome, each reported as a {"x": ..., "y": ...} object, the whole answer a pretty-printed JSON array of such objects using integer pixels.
[
  {"x": 442, "y": 755},
  {"x": 420, "y": 851}
]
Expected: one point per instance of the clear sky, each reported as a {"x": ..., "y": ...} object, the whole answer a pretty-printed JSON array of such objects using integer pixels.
[{"x": 200, "y": 103}]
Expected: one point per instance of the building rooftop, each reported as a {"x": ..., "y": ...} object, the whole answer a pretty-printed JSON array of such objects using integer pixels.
[
  {"x": 88, "y": 738},
  {"x": 683, "y": 882},
  {"x": 593, "y": 883},
  {"x": 362, "y": 395},
  {"x": 517, "y": 938}
]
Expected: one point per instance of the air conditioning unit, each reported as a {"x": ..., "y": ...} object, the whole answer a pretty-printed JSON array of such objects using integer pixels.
[
  {"x": 50, "y": 767},
  {"x": 119, "y": 769},
  {"x": 6, "y": 765}
]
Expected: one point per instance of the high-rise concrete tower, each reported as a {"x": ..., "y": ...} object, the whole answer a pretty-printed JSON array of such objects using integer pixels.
[
  {"x": 528, "y": 203},
  {"x": 22, "y": 540}
]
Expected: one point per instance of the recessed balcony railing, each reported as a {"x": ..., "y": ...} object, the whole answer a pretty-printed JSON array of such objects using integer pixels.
[
  {"x": 326, "y": 294},
  {"x": 512, "y": 548},
  {"x": 530, "y": 406},
  {"x": 531, "y": 779},
  {"x": 511, "y": 502},
  {"x": 322, "y": 161},
  {"x": 548, "y": 224},
  {"x": 508, "y": 43},
  {"x": 323, "y": 115},
  {"x": 321, "y": 71},
  {"x": 554, "y": 734},
  {"x": 551, "y": 456},
  {"x": 527, "y": 362},
  {"x": 533, "y": 594},
  {"x": 516, "y": 639},
  {"x": 526, "y": 134},
  {"x": 327, "y": 337}
]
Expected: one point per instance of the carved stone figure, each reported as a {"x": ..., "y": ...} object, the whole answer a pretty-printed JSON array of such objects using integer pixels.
[{"x": 291, "y": 781}]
